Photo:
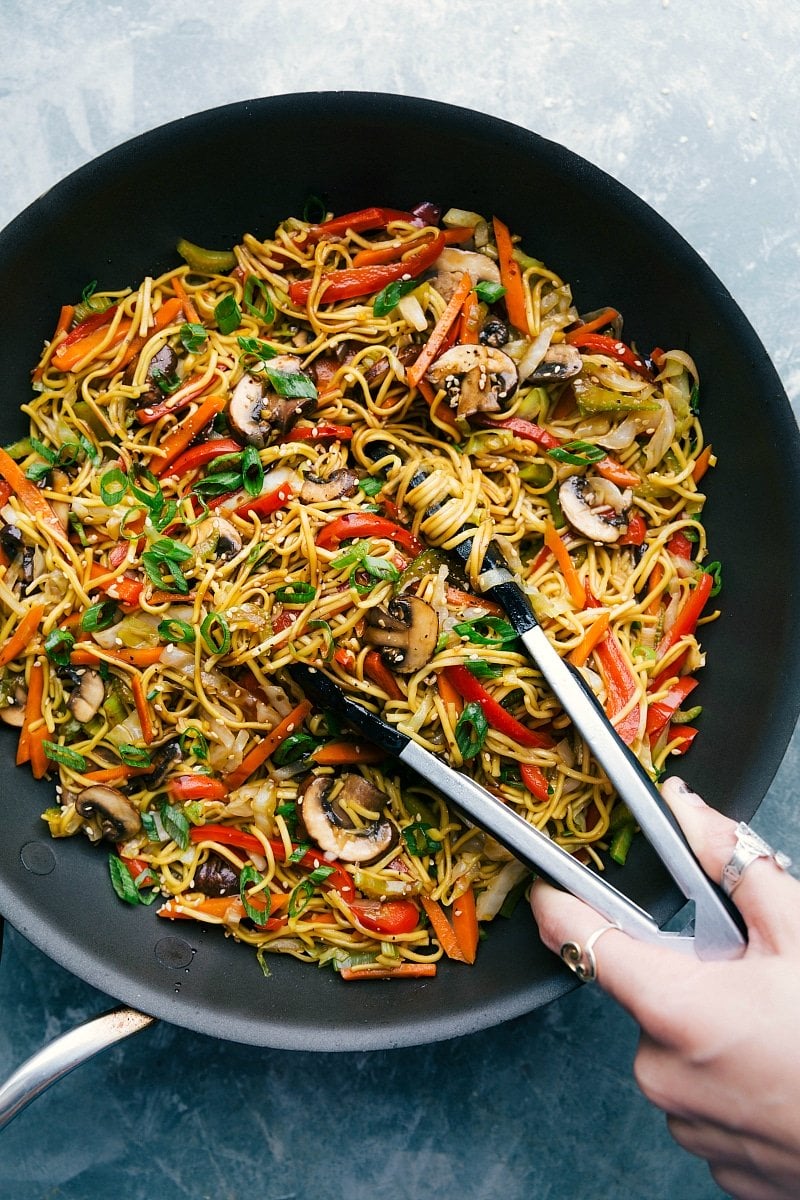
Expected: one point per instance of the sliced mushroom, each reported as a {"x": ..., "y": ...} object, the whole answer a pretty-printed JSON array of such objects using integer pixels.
[
  {"x": 162, "y": 365},
  {"x": 161, "y": 762},
  {"x": 477, "y": 377},
  {"x": 328, "y": 825},
  {"x": 561, "y": 361},
  {"x": 217, "y": 538},
  {"x": 14, "y": 713},
  {"x": 118, "y": 818},
  {"x": 87, "y": 697},
  {"x": 494, "y": 333},
  {"x": 592, "y": 511},
  {"x": 11, "y": 540},
  {"x": 407, "y": 631},
  {"x": 216, "y": 877},
  {"x": 256, "y": 412},
  {"x": 343, "y": 482},
  {"x": 452, "y": 263}
]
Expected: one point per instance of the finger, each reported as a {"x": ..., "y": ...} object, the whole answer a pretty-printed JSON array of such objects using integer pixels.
[
  {"x": 644, "y": 978},
  {"x": 768, "y": 898}
]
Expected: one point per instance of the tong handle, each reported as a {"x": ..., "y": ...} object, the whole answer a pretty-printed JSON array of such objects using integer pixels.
[{"x": 718, "y": 928}]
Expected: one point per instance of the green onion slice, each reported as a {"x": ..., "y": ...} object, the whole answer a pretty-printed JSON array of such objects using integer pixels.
[
  {"x": 113, "y": 486},
  {"x": 265, "y": 314},
  {"x": 134, "y": 756},
  {"x": 173, "y": 629},
  {"x": 577, "y": 453},
  {"x": 474, "y": 631},
  {"x": 216, "y": 633},
  {"x": 489, "y": 292},
  {"x": 102, "y": 615},
  {"x": 300, "y": 897},
  {"x": 296, "y": 593},
  {"x": 193, "y": 337},
  {"x": 58, "y": 646},
  {"x": 252, "y": 471},
  {"x": 388, "y": 299},
  {"x": 471, "y": 730},
  {"x": 228, "y": 314},
  {"x": 250, "y": 875},
  {"x": 65, "y": 756}
]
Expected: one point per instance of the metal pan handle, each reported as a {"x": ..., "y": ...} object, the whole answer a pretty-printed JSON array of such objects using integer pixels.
[{"x": 62, "y": 1055}]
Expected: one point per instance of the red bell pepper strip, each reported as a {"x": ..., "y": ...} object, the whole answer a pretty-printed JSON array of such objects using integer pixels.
[
  {"x": 598, "y": 343},
  {"x": 637, "y": 531},
  {"x": 122, "y": 587},
  {"x": 661, "y": 712},
  {"x": 339, "y": 879},
  {"x": 357, "y": 222},
  {"x": 317, "y": 433},
  {"x": 680, "y": 546},
  {"x": 521, "y": 428},
  {"x": 178, "y": 401},
  {"x": 376, "y": 669},
  {"x": 178, "y": 439},
  {"x": 267, "y": 502},
  {"x": 79, "y": 332},
  {"x": 358, "y": 525},
  {"x": 681, "y": 737},
  {"x": 688, "y": 615},
  {"x": 198, "y": 456},
  {"x": 365, "y": 281},
  {"x": 621, "y": 685},
  {"x": 535, "y": 781},
  {"x": 196, "y": 787},
  {"x": 386, "y": 916},
  {"x": 501, "y": 720}
]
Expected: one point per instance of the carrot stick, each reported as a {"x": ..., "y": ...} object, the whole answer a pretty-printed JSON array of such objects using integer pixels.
[
  {"x": 189, "y": 310},
  {"x": 402, "y": 971},
  {"x": 440, "y": 331},
  {"x": 443, "y": 413},
  {"x": 606, "y": 317},
  {"x": 165, "y": 316},
  {"x": 179, "y": 438},
  {"x": 614, "y": 471},
  {"x": 470, "y": 316},
  {"x": 448, "y": 692},
  {"x": 656, "y": 575},
  {"x": 66, "y": 356},
  {"x": 119, "y": 772},
  {"x": 142, "y": 709},
  {"x": 143, "y": 656},
  {"x": 65, "y": 319},
  {"x": 379, "y": 673},
  {"x": 511, "y": 277},
  {"x": 337, "y": 753},
  {"x": 596, "y": 631},
  {"x": 702, "y": 464},
  {"x": 29, "y": 495},
  {"x": 218, "y": 906},
  {"x": 443, "y": 929},
  {"x": 260, "y": 753},
  {"x": 465, "y": 924},
  {"x": 22, "y": 635},
  {"x": 556, "y": 546},
  {"x": 33, "y": 711}
]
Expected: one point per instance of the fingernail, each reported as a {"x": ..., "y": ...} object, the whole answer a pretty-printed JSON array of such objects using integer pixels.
[{"x": 681, "y": 790}]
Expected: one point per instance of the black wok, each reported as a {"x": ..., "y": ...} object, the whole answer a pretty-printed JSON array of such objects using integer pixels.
[{"x": 214, "y": 176}]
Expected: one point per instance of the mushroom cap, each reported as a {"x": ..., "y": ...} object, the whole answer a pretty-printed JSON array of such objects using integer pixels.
[
  {"x": 407, "y": 631},
  {"x": 219, "y": 538},
  {"x": 118, "y": 817},
  {"x": 329, "y": 827},
  {"x": 479, "y": 376},
  {"x": 255, "y": 411},
  {"x": 592, "y": 514},
  {"x": 88, "y": 696},
  {"x": 339, "y": 483},
  {"x": 560, "y": 362}
]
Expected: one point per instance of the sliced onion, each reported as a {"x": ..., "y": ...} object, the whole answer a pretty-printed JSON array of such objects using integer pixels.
[
  {"x": 489, "y": 903},
  {"x": 661, "y": 440},
  {"x": 607, "y": 493},
  {"x": 412, "y": 313}
]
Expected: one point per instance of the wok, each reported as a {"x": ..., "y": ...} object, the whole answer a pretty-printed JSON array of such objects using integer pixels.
[{"x": 210, "y": 178}]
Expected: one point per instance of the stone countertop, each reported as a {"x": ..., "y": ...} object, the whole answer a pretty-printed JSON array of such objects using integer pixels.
[{"x": 692, "y": 106}]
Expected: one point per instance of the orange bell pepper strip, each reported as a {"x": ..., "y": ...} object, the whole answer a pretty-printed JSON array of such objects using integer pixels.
[
  {"x": 511, "y": 277},
  {"x": 606, "y": 317},
  {"x": 22, "y": 635},
  {"x": 179, "y": 438},
  {"x": 448, "y": 692},
  {"x": 30, "y": 497},
  {"x": 84, "y": 655},
  {"x": 196, "y": 787},
  {"x": 702, "y": 464},
  {"x": 465, "y": 924},
  {"x": 189, "y": 310},
  {"x": 260, "y": 753},
  {"x": 470, "y": 318},
  {"x": 68, "y": 356},
  {"x": 440, "y": 331},
  {"x": 614, "y": 471},
  {"x": 555, "y": 545}
]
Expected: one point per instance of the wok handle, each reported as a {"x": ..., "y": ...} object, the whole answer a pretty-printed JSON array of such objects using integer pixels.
[{"x": 62, "y": 1055}]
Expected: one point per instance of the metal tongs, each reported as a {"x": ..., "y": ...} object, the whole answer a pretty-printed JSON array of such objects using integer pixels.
[{"x": 717, "y": 927}]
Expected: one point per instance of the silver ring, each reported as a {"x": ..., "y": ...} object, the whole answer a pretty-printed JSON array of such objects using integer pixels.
[
  {"x": 749, "y": 847},
  {"x": 581, "y": 959}
]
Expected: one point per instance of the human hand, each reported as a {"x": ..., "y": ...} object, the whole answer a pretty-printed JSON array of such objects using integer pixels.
[{"x": 720, "y": 1044}]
